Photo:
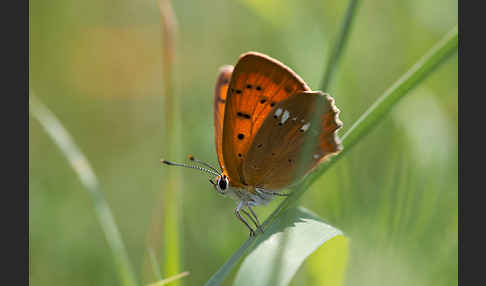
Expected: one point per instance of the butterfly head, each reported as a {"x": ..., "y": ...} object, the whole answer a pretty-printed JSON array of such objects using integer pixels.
[{"x": 221, "y": 184}]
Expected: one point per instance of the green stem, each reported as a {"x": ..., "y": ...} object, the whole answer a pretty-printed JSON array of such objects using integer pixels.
[
  {"x": 170, "y": 279},
  {"x": 172, "y": 177},
  {"x": 337, "y": 51},
  {"x": 82, "y": 168},
  {"x": 155, "y": 264}
]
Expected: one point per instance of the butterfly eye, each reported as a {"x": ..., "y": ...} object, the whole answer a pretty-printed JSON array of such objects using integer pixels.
[{"x": 222, "y": 184}]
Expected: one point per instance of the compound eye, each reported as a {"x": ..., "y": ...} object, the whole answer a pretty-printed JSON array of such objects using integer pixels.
[{"x": 223, "y": 184}]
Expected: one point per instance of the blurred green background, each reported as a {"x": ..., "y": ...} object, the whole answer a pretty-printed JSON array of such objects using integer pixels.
[{"x": 97, "y": 65}]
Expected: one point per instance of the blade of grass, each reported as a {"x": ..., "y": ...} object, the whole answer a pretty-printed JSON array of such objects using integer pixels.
[
  {"x": 155, "y": 264},
  {"x": 337, "y": 51},
  {"x": 218, "y": 277},
  {"x": 87, "y": 176},
  {"x": 165, "y": 233},
  {"x": 170, "y": 279},
  {"x": 363, "y": 126}
]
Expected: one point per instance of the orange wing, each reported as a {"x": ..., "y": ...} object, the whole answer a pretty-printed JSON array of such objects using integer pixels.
[
  {"x": 289, "y": 144},
  {"x": 220, "y": 92},
  {"x": 258, "y": 83}
]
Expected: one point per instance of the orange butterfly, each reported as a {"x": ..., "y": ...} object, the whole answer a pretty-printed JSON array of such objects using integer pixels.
[{"x": 270, "y": 129}]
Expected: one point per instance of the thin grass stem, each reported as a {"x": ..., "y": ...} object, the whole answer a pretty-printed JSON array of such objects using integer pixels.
[
  {"x": 170, "y": 279},
  {"x": 338, "y": 49},
  {"x": 155, "y": 264},
  {"x": 172, "y": 177},
  {"x": 87, "y": 176}
]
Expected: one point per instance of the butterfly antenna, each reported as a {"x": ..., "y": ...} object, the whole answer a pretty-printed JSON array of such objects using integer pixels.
[
  {"x": 189, "y": 166},
  {"x": 192, "y": 158}
]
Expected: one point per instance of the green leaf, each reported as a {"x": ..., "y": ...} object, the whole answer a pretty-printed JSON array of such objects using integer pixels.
[
  {"x": 327, "y": 265},
  {"x": 284, "y": 246}
]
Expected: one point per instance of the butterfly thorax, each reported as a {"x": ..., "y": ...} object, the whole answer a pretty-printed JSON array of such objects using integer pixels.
[{"x": 252, "y": 198}]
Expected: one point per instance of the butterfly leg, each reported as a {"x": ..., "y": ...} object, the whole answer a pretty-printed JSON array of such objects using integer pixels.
[
  {"x": 258, "y": 224},
  {"x": 253, "y": 218},
  {"x": 242, "y": 219}
]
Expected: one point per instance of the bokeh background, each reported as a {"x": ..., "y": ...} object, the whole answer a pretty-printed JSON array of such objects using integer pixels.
[{"x": 98, "y": 66}]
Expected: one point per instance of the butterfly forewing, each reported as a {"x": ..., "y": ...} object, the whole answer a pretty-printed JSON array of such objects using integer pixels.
[
  {"x": 220, "y": 92},
  {"x": 258, "y": 83},
  {"x": 291, "y": 141}
]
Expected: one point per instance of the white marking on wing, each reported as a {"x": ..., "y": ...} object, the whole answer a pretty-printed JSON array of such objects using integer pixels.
[
  {"x": 305, "y": 126},
  {"x": 285, "y": 116}
]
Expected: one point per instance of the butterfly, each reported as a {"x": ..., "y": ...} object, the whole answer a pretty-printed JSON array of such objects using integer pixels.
[{"x": 270, "y": 131}]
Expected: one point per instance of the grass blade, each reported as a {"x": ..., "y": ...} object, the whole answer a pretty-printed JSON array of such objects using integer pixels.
[
  {"x": 365, "y": 124},
  {"x": 170, "y": 279},
  {"x": 165, "y": 232},
  {"x": 338, "y": 48},
  {"x": 82, "y": 168},
  {"x": 224, "y": 270},
  {"x": 155, "y": 264}
]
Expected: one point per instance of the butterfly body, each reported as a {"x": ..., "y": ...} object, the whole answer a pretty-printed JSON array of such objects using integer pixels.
[
  {"x": 270, "y": 131},
  {"x": 250, "y": 196}
]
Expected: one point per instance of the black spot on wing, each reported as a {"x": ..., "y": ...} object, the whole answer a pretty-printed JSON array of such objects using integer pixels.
[{"x": 243, "y": 115}]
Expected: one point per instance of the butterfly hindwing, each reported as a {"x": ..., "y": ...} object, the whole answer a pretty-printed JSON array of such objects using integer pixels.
[
  {"x": 220, "y": 92},
  {"x": 289, "y": 144},
  {"x": 258, "y": 83}
]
